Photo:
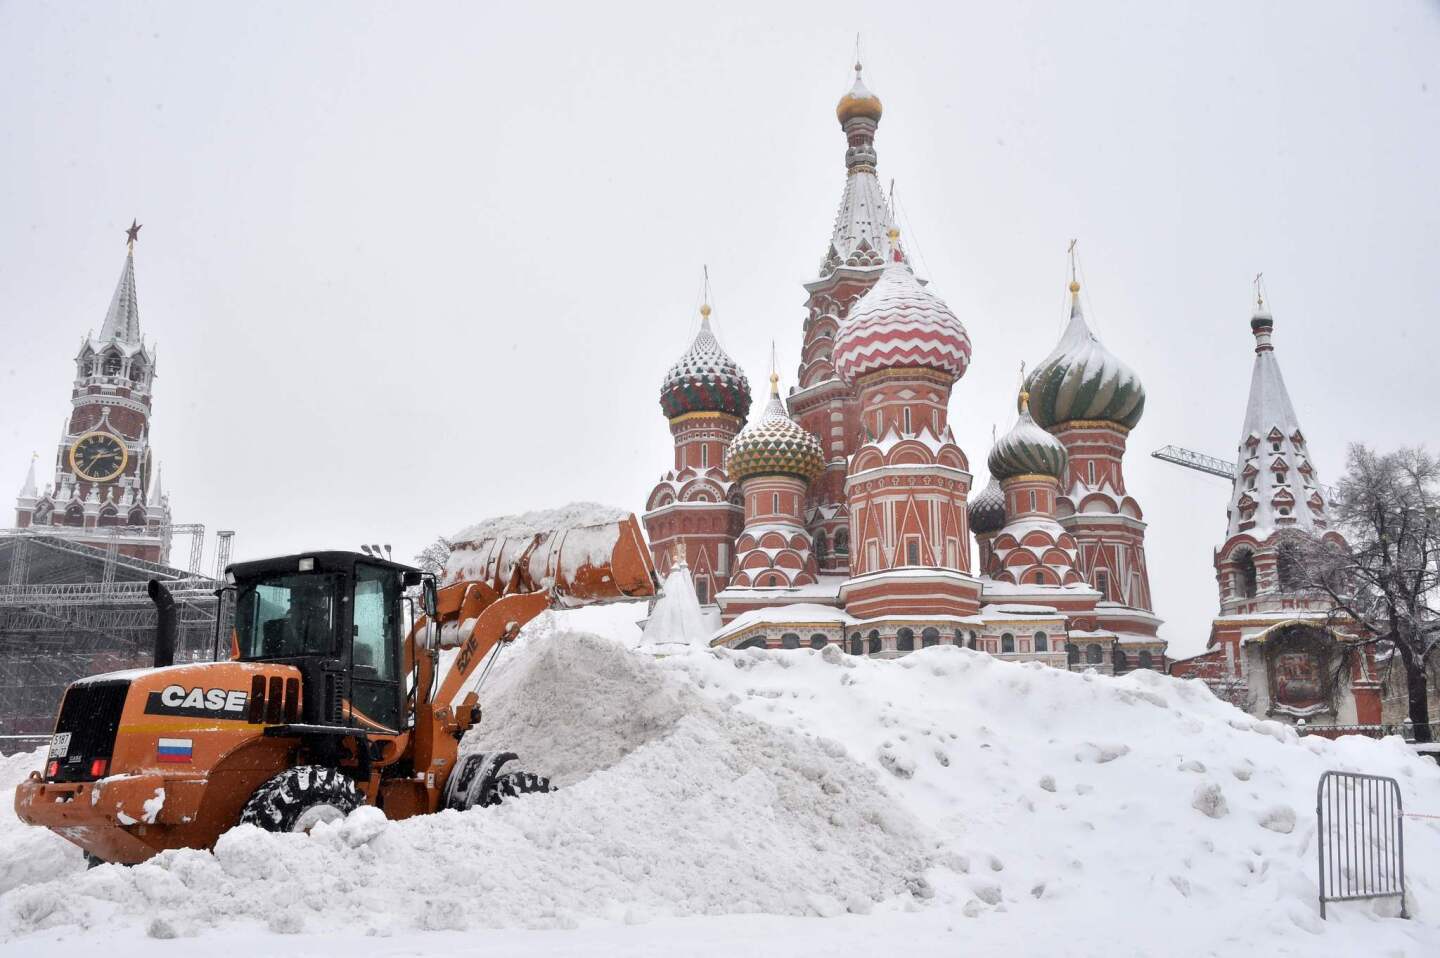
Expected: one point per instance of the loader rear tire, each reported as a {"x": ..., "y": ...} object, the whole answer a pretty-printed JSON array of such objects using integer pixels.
[{"x": 300, "y": 798}]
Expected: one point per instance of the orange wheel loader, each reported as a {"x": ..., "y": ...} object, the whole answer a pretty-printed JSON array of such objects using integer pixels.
[{"x": 327, "y": 700}]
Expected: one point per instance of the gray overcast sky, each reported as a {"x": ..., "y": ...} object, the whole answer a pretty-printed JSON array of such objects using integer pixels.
[{"x": 409, "y": 265}]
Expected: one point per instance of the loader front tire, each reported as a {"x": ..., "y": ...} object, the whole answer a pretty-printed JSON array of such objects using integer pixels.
[
  {"x": 513, "y": 785},
  {"x": 300, "y": 798}
]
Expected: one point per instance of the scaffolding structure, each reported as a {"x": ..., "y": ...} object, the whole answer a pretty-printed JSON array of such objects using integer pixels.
[{"x": 70, "y": 609}]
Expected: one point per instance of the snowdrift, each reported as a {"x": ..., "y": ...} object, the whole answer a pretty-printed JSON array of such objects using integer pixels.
[{"x": 945, "y": 799}]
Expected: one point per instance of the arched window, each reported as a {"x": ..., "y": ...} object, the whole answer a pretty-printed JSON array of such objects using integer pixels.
[
  {"x": 109, "y": 517},
  {"x": 137, "y": 372},
  {"x": 906, "y": 417},
  {"x": 775, "y": 502},
  {"x": 930, "y": 637},
  {"x": 1245, "y": 578},
  {"x": 1007, "y": 643},
  {"x": 136, "y": 517},
  {"x": 1042, "y": 642},
  {"x": 820, "y": 545},
  {"x": 702, "y": 590},
  {"x": 1039, "y": 577},
  {"x": 912, "y": 552},
  {"x": 1119, "y": 661},
  {"x": 974, "y": 637},
  {"x": 1144, "y": 660},
  {"x": 774, "y": 582},
  {"x": 111, "y": 365},
  {"x": 818, "y": 641},
  {"x": 842, "y": 542},
  {"x": 1102, "y": 584},
  {"x": 1072, "y": 653},
  {"x": 1094, "y": 654},
  {"x": 874, "y": 641},
  {"x": 754, "y": 642},
  {"x": 960, "y": 638},
  {"x": 790, "y": 641},
  {"x": 905, "y": 641},
  {"x": 704, "y": 456},
  {"x": 857, "y": 644},
  {"x": 74, "y": 516}
]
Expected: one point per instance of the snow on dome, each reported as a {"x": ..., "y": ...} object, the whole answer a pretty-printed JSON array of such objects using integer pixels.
[
  {"x": 1082, "y": 380},
  {"x": 899, "y": 323},
  {"x": 987, "y": 510},
  {"x": 774, "y": 444},
  {"x": 705, "y": 379},
  {"x": 676, "y": 617},
  {"x": 1027, "y": 450},
  {"x": 858, "y": 102}
]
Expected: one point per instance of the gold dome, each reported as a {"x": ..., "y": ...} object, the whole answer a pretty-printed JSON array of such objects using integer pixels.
[{"x": 859, "y": 102}]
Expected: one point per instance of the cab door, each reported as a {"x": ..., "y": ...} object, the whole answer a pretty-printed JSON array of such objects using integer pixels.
[{"x": 374, "y": 650}]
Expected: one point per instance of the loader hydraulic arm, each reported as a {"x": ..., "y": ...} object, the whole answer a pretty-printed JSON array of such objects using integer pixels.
[{"x": 499, "y": 583}]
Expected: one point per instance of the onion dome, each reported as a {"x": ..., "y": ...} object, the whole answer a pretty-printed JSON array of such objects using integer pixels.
[
  {"x": 774, "y": 444},
  {"x": 1027, "y": 450},
  {"x": 859, "y": 102},
  {"x": 900, "y": 323},
  {"x": 987, "y": 510},
  {"x": 1081, "y": 379},
  {"x": 705, "y": 379}
]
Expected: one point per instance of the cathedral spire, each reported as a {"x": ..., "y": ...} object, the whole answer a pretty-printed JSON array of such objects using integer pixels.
[
  {"x": 858, "y": 239},
  {"x": 122, "y": 319},
  {"x": 1276, "y": 485}
]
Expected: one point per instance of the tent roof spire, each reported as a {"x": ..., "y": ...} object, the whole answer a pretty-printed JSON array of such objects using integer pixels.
[{"x": 122, "y": 319}]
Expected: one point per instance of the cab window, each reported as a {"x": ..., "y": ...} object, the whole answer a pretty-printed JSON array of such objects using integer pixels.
[
  {"x": 377, "y": 604},
  {"x": 287, "y": 615}
]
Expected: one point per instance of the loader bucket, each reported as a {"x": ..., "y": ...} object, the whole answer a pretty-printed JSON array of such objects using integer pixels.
[{"x": 580, "y": 563}]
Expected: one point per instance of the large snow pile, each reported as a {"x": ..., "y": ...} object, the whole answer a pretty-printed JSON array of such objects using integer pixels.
[
  {"x": 947, "y": 800},
  {"x": 525, "y": 524},
  {"x": 676, "y": 617}
]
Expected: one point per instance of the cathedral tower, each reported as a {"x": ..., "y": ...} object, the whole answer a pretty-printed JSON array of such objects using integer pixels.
[
  {"x": 773, "y": 459},
  {"x": 854, "y": 259},
  {"x": 902, "y": 349},
  {"x": 1089, "y": 399},
  {"x": 104, "y": 486},
  {"x": 695, "y": 510}
]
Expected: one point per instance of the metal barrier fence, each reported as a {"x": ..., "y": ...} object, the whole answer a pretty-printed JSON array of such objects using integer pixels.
[{"x": 1361, "y": 838}]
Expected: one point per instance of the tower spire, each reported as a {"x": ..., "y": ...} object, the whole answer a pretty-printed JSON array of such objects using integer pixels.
[
  {"x": 29, "y": 490},
  {"x": 122, "y": 319},
  {"x": 858, "y": 239}
]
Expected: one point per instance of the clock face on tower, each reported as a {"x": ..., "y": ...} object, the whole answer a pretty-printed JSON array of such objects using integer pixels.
[{"x": 98, "y": 456}]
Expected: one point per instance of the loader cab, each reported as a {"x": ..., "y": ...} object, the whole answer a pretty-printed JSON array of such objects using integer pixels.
[{"x": 338, "y": 617}]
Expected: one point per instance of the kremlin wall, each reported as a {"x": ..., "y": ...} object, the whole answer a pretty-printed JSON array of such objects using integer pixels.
[{"x": 845, "y": 512}]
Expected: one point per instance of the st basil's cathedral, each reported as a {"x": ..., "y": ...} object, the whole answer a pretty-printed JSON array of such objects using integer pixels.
[{"x": 843, "y": 513}]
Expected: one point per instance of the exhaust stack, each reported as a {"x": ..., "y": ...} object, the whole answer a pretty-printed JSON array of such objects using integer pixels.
[{"x": 165, "y": 624}]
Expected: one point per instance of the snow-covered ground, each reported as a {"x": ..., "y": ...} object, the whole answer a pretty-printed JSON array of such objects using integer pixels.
[{"x": 789, "y": 802}]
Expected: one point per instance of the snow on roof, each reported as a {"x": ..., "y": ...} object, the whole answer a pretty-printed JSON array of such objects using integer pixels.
[
  {"x": 122, "y": 319},
  {"x": 1269, "y": 413},
  {"x": 795, "y": 613}
]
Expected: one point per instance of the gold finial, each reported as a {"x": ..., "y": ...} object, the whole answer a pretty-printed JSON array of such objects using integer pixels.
[
  {"x": 774, "y": 384},
  {"x": 1023, "y": 403},
  {"x": 893, "y": 233},
  {"x": 1074, "y": 282},
  {"x": 1259, "y": 291},
  {"x": 705, "y": 309}
]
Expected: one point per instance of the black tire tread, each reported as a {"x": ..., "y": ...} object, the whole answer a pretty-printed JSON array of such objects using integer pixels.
[{"x": 278, "y": 803}]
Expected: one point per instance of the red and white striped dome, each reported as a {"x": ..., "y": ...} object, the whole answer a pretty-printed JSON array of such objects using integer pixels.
[{"x": 900, "y": 324}]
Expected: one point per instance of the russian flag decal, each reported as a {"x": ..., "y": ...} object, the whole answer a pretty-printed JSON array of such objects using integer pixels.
[{"x": 174, "y": 749}]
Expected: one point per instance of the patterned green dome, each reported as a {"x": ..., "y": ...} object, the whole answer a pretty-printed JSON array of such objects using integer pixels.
[
  {"x": 705, "y": 379},
  {"x": 1027, "y": 450},
  {"x": 774, "y": 444},
  {"x": 1081, "y": 379}
]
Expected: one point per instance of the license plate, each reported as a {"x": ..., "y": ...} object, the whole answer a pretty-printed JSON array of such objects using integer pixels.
[{"x": 59, "y": 744}]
